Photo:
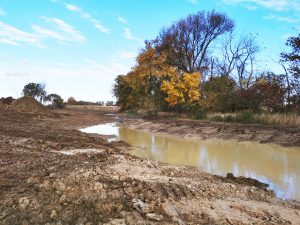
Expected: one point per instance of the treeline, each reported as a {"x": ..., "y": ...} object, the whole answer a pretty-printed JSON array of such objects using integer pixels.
[
  {"x": 73, "y": 101},
  {"x": 38, "y": 91},
  {"x": 199, "y": 64}
]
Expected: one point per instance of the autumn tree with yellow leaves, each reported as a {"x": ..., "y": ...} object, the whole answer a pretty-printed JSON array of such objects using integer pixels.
[
  {"x": 179, "y": 71},
  {"x": 169, "y": 69},
  {"x": 183, "y": 89},
  {"x": 154, "y": 84}
]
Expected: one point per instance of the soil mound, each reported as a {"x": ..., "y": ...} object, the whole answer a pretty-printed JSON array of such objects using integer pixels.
[
  {"x": 27, "y": 104},
  {"x": 2, "y": 106}
]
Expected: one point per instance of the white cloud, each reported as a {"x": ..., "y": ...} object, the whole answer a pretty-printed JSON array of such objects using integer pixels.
[
  {"x": 45, "y": 33},
  {"x": 73, "y": 8},
  {"x": 2, "y": 13},
  {"x": 122, "y": 20},
  {"x": 278, "y": 5},
  {"x": 71, "y": 33},
  {"x": 63, "y": 33},
  {"x": 13, "y": 36},
  {"x": 97, "y": 24},
  {"x": 127, "y": 55},
  {"x": 281, "y": 18},
  {"x": 9, "y": 42},
  {"x": 128, "y": 35}
]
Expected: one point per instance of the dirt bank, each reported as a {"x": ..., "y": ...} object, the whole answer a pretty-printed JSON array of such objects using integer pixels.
[
  {"x": 277, "y": 134},
  {"x": 40, "y": 185}
]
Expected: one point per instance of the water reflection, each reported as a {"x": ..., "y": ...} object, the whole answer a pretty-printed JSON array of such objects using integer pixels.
[
  {"x": 272, "y": 164},
  {"x": 104, "y": 129}
]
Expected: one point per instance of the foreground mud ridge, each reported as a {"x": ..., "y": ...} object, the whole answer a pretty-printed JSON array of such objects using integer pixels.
[{"x": 40, "y": 185}]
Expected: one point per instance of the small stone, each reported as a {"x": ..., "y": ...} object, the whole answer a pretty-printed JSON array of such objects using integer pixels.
[
  {"x": 24, "y": 202},
  {"x": 62, "y": 199},
  {"x": 53, "y": 215},
  {"x": 154, "y": 216}
]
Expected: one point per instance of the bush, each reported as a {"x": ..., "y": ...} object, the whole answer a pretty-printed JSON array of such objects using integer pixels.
[
  {"x": 196, "y": 112},
  {"x": 245, "y": 117},
  {"x": 242, "y": 117},
  {"x": 131, "y": 113}
]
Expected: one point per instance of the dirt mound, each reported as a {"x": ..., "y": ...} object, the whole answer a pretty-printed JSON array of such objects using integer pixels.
[
  {"x": 2, "y": 106},
  {"x": 27, "y": 104}
]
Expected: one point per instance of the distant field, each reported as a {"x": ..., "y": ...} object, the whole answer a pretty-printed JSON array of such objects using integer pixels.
[{"x": 89, "y": 107}]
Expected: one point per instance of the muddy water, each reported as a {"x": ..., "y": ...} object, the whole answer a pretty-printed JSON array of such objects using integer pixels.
[{"x": 272, "y": 164}]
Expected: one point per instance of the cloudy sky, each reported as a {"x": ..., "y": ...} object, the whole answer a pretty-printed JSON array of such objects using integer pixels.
[{"x": 78, "y": 47}]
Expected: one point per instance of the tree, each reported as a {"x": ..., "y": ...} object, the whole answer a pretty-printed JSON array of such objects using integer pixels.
[
  {"x": 182, "y": 90},
  {"x": 293, "y": 60},
  {"x": 71, "y": 101},
  {"x": 269, "y": 91},
  {"x": 35, "y": 90},
  {"x": 266, "y": 93},
  {"x": 56, "y": 100},
  {"x": 239, "y": 59},
  {"x": 219, "y": 93},
  {"x": 293, "y": 57},
  {"x": 124, "y": 93},
  {"x": 187, "y": 41}
]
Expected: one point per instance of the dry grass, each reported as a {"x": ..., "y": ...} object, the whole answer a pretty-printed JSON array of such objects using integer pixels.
[
  {"x": 282, "y": 119},
  {"x": 262, "y": 118}
]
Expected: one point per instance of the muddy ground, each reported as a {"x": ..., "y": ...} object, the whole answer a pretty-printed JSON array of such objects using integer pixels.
[{"x": 40, "y": 185}]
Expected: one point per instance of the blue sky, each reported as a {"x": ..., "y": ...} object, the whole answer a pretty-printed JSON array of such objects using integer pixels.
[{"x": 78, "y": 47}]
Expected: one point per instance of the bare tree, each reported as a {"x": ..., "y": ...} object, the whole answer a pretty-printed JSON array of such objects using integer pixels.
[
  {"x": 239, "y": 59},
  {"x": 187, "y": 41}
]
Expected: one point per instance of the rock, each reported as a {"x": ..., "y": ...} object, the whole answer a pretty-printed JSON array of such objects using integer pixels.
[
  {"x": 140, "y": 206},
  {"x": 98, "y": 186},
  {"x": 53, "y": 215},
  {"x": 63, "y": 199},
  {"x": 81, "y": 221},
  {"x": 24, "y": 202},
  {"x": 154, "y": 216},
  {"x": 67, "y": 216},
  {"x": 115, "y": 222}
]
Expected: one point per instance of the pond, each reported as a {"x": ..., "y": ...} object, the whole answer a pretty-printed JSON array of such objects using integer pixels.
[{"x": 272, "y": 164}]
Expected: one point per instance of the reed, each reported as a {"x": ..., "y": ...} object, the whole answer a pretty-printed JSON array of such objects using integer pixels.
[{"x": 259, "y": 118}]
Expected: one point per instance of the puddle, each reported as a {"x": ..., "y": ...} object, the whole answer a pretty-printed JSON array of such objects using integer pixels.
[
  {"x": 81, "y": 151},
  {"x": 272, "y": 164},
  {"x": 110, "y": 129}
]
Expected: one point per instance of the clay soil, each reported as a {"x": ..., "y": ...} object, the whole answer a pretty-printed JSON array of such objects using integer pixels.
[{"x": 40, "y": 185}]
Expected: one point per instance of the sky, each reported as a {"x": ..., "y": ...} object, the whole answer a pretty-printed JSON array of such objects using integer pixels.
[{"x": 78, "y": 47}]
